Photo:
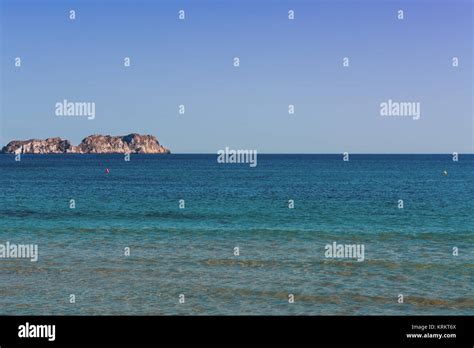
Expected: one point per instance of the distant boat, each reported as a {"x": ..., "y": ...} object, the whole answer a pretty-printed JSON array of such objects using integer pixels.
[
  {"x": 445, "y": 173},
  {"x": 107, "y": 171}
]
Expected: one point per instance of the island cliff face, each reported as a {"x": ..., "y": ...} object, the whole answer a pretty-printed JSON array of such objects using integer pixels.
[{"x": 132, "y": 143}]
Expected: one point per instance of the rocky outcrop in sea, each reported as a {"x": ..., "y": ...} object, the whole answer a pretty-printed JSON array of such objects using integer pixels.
[{"x": 131, "y": 143}]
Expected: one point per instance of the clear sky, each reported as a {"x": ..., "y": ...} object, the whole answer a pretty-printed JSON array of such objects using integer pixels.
[{"x": 282, "y": 62}]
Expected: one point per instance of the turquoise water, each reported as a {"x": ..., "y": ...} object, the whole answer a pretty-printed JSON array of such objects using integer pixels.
[{"x": 191, "y": 251}]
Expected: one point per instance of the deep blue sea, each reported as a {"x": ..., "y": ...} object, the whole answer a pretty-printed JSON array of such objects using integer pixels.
[{"x": 190, "y": 251}]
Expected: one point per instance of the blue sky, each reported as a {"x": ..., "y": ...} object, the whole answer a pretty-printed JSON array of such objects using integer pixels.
[{"x": 283, "y": 62}]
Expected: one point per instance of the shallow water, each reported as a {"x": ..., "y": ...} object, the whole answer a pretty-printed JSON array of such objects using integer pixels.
[{"x": 190, "y": 251}]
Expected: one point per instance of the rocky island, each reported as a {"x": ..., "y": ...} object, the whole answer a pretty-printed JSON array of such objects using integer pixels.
[{"x": 131, "y": 143}]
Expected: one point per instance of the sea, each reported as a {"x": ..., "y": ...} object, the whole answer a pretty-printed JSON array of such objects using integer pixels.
[{"x": 182, "y": 234}]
